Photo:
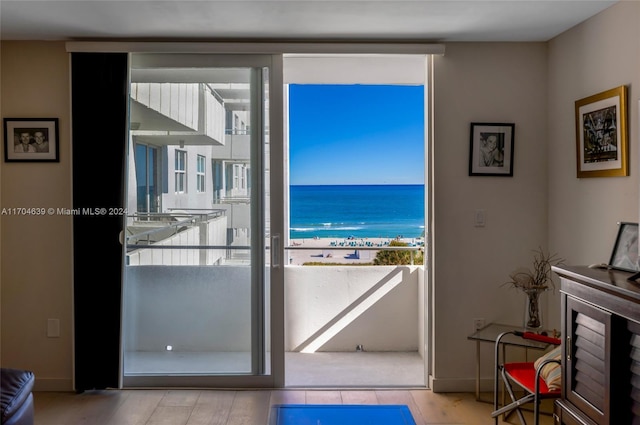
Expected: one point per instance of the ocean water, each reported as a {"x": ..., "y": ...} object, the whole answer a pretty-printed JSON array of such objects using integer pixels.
[{"x": 371, "y": 211}]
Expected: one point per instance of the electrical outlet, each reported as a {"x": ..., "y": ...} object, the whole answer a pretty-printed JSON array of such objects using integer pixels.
[{"x": 478, "y": 324}]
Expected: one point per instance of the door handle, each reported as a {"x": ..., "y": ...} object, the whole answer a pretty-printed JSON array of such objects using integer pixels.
[{"x": 275, "y": 251}]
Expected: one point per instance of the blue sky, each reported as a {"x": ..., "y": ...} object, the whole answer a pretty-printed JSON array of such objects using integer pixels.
[{"x": 356, "y": 134}]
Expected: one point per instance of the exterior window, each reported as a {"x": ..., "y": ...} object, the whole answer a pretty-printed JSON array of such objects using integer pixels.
[
  {"x": 181, "y": 171},
  {"x": 236, "y": 176},
  {"x": 147, "y": 178},
  {"x": 200, "y": 185},
  {"x": 228, "y": 121}
]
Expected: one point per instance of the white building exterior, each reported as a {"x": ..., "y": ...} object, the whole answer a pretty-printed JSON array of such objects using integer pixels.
[{"x": 188, "y": 170}]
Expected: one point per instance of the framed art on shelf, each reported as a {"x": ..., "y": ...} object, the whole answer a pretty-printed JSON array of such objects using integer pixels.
[
  {"x": 491, "y": 150},
  {"x": 31, "y": 140},
  {"x": 625, "y": 249},
  {"x": 601, "y": 134}
]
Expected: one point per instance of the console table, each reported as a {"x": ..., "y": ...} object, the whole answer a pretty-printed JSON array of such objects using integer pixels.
[{"x": 600, "y": 347}]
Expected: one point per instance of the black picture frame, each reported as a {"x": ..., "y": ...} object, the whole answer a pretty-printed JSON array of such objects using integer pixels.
[
  {"x": 31, "y": 140},
  {"x": 491, "y": 149},
  {"x": 624, "y": 255}
]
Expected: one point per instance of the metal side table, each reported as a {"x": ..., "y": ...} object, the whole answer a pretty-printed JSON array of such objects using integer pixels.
[{"x": 489, "y": 334}]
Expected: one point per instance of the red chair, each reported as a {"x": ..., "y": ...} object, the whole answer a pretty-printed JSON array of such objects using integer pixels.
[{"x": 529, "y": 378}]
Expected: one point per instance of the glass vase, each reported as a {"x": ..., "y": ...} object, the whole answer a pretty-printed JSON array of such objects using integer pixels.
[{"x": 532, "y": 310}]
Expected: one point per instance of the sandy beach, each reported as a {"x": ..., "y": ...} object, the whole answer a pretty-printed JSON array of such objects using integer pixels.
[{"x": 339, "y": 250}]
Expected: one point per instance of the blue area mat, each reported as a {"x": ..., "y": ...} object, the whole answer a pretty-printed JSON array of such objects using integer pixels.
[{"x": 341, "y": 414}]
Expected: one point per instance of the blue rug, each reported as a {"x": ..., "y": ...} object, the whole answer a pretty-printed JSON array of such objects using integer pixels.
[{"x": 341, "y": 414}]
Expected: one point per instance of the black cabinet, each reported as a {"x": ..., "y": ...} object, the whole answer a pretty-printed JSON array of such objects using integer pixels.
[{"x": 600, "y": 346}]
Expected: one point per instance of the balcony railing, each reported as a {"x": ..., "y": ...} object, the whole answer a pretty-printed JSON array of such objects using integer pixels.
[
  {"x": 178, "y": 238},
  {"x": 165, "y": 225}
]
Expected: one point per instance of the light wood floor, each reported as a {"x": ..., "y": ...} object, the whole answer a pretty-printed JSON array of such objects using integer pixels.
[{"x": 217, "y": 407}]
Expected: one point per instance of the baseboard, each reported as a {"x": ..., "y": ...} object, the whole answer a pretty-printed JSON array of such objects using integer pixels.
[
  {"x": 53, "y": 384},
  {"x": 454, "y": 385}
]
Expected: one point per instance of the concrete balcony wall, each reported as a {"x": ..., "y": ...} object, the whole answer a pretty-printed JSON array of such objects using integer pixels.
[
  {"x": 335, "y": 308},
  {"x": 185, "y": 103},
  {"x": 239, "y": 214},
  {"x": 216, "y": 236},
  {"x": 197, "y": 308},
  {"x": 236, "y": 147},
  {"x": 214, "y": 115},
  {"x": 176, "y": 101},
  {"x": 422, "y": 312}
]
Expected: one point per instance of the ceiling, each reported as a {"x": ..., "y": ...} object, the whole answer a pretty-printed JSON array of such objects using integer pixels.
[{"x": 312, "y": 20}]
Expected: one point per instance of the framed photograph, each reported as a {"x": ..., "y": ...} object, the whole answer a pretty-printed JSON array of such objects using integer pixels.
[
  {"x": 625, "y": 250},
  {"x": 601, "y": 134},
  {"x": 31, "y": 140},
  {"x": 491, "y": 149}
]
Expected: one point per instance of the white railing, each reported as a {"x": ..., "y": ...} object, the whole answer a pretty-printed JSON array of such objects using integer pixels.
[{"x": 177, "y": 239}]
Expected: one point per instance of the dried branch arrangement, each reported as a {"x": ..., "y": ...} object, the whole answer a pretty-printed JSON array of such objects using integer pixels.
[{"x": 540, "y": 277}]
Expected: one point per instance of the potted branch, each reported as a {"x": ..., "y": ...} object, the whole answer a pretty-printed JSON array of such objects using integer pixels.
[{"x": 534, "y": 282}]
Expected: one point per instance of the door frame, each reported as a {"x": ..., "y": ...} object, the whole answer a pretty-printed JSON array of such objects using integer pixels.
[
  {"x": 272, "y": 141},
  {"x": 275, "y": 51},
  {"x": 415, "y": 67}
]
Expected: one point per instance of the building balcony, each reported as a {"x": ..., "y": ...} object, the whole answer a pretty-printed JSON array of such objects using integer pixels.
[
  {"x": 194, "y": 319},
  {"x": 188, "y": 306},
  {"x": 173, "y": 113}
]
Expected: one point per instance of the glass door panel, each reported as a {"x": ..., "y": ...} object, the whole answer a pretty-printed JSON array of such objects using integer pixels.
[{"x": 196, "y": 280}]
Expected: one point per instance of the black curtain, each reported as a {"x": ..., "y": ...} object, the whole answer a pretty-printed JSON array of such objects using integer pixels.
[{"x": 99, "y": 122}]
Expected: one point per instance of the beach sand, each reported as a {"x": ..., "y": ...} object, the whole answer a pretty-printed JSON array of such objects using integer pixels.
[{"x": 325, "y": 250}]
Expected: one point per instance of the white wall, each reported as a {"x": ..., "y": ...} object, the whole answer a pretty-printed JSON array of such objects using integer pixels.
[
  {"x": 191, "y": 198},
  {"x": 484, "y": 82},
  {"x": 598, "y": 55},
  {"x": 36, "y": 275},
  {"x": 544, "y": 204}
]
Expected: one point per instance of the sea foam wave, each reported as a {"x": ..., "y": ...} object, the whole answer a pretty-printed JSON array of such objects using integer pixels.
[{"x": 316, "y": 229}]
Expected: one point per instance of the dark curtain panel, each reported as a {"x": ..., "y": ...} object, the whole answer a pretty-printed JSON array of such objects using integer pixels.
[{"x": 99, "y": 121}]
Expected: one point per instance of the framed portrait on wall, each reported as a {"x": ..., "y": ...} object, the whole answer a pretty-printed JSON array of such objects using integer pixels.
[
  {"x": 491, "y": 149},
  {"x": 601, "y": 134},
  {"x": 31, "y": 140}
]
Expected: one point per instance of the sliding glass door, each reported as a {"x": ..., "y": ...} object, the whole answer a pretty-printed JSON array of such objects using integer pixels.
[{"x": 200, "y": 266}]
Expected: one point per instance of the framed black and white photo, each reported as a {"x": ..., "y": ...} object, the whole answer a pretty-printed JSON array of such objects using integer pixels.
[
  {"x": 601, "y": 134},
  {"x": 625, "y": 250},
  {"x": 491, "y": 151},
  {"x": 31, "y": 140}
]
